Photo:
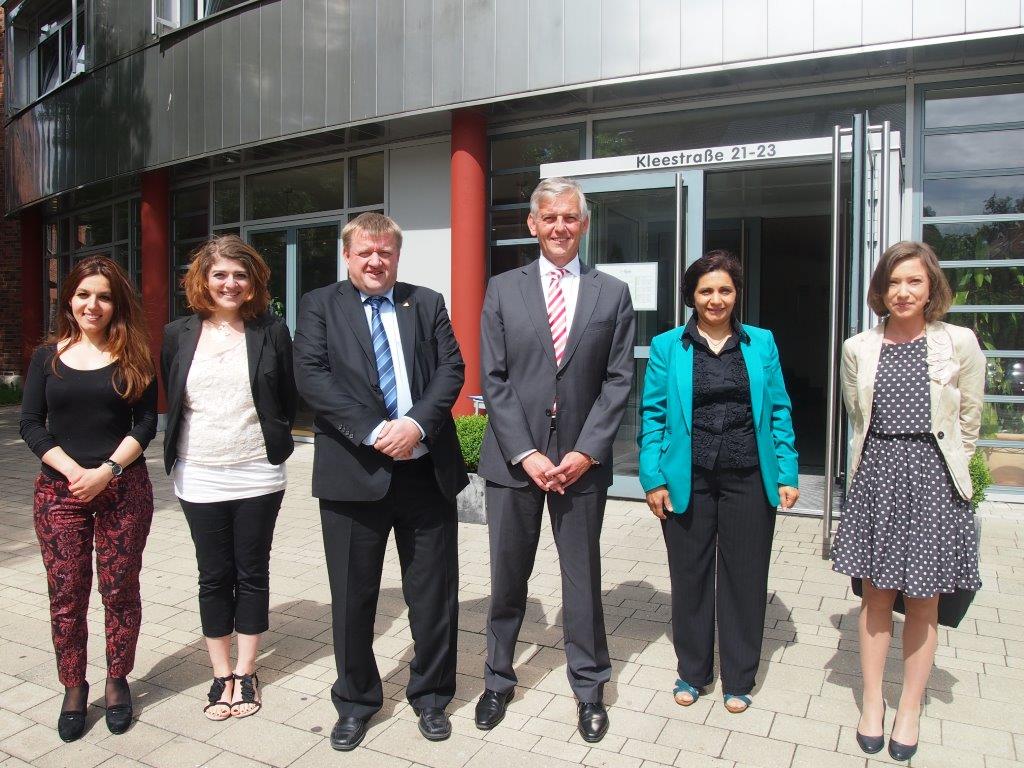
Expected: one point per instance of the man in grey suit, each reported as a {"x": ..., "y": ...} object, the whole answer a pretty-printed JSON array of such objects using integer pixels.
[{"x": 557, "y": 359}]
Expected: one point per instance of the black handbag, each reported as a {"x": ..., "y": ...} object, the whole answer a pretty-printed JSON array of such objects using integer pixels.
[{"x": 952, "y": 605}]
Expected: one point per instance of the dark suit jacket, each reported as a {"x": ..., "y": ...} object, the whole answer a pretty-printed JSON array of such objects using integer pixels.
[
  {"x": 269, "y": 349},
  {"x": 521, "y": 381},
  {"x": 336, "y": 372}
]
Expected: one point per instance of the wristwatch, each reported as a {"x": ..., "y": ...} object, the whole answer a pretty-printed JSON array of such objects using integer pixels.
[{"x": 115, "y": 468}]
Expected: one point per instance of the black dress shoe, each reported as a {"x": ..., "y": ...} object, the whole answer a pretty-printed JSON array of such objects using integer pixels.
[
  {"x": 119, "y": 716},
  {"x": 900, "y": 752},
  {"x": 434, "y": 723},
  {"x": 71, "y": 722},
  {"x": 347, "y": 733},
  {"x": 593, "y": 721},
  {"x": 490, "y": 708}
]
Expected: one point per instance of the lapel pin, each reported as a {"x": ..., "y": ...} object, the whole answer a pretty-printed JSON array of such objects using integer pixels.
[{"x": 406, "y": 304}]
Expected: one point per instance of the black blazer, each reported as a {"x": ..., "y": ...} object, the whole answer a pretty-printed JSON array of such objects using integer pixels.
[
  {"x": 336, "y": 373},
  {"x": 269, "y": 349}
]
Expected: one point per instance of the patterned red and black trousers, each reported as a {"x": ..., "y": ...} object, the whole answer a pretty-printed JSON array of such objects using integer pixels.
[{"x": 118, "y": 519}]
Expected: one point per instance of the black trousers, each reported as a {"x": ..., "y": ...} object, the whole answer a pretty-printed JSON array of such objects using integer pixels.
[
  {"x": 233, "y": 541},
  {"x": 426, "y": 535},
  {"x": 727, "y": 530}
]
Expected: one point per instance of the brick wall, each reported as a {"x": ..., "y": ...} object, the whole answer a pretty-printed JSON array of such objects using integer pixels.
[{"x": 10, "y": 267}]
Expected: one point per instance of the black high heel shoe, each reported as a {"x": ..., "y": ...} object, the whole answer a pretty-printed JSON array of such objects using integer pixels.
[
  {"x": 119, "y": 716},
  {"x": 71, "y": 722},
  {"x": 902, "y": 752},
  {"x": 872, "y": 744}
]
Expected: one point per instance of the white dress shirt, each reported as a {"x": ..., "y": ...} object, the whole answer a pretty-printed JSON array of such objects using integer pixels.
[
  {"x": 389, "y": 320},
  {"x": 570, "y": 285}
]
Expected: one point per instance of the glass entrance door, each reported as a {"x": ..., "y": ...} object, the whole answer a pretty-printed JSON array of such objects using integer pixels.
[
  {"x": 301, "y": 258},
  {"x": 638, "y": 233}
]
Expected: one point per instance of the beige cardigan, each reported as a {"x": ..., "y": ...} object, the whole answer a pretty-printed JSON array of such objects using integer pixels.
[{"x": 956, "y": 373}]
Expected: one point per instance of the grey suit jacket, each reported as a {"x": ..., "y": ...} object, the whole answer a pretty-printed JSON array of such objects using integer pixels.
[{"x": 521, "y": 381}]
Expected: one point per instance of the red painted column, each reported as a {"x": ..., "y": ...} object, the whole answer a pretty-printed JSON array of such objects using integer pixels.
[
  {"x": 156, "y": 268},
  {"x": 32, "y": 282},
  {"x": 469, "y": 242}
]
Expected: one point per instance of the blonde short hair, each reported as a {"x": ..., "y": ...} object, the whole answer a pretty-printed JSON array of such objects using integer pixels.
[{"x": 373, "y": 224}]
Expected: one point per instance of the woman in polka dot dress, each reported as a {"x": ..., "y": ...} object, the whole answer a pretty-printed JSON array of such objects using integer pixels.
[{"x": 913, "y": 388}]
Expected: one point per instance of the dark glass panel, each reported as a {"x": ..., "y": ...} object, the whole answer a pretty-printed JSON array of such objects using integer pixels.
[
  {"x": 366, "y": 180},
  {"x": 305, "y": 189},
  {"x": 974, "y": 151},
  {"x": 122, "y": 220},
  {"x": 226, "y": 195},
  {"x": 972, "y": 241},
  {"x": 93, "y": 228},
  {"x": 535, "y": 148},
  {"x": 49, "y": 63},
  {"x": 190, "y": 226},
  {"x": 974, "y": 106},
  {"x": 1003, "y": 421},
  {"x": 987, "y": 285},
  {"x": 511, "y": 188},
  {"x": 273, "y": 247},
  {"x": 744, "y": 123},
  {"x": 317, "y": 257},
  {"x": 506, "y": 257},
  {"x": 1004, "y": 376},
  {"x": 191, "y": 200},
  {"x": 995, "y": 330},
  {"x": 509, "y": 225},
  {"x": 976, "y": 196}
]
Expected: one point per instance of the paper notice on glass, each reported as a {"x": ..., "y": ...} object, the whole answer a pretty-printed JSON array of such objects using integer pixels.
[{"x": 642, "y": 280}]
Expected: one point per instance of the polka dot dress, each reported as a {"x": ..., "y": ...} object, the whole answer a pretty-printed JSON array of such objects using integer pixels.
[{"x": 905, "y": 526}]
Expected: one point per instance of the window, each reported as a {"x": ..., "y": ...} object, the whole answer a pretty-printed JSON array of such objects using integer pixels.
[
  {"x": 972, "y": 214},
  {"x": 172, "y": 14},
  {"x": 515, "y": 170},
  {"x": 46, "y": 41}
]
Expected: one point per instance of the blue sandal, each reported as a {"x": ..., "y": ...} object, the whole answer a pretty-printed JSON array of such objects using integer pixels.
[
  {"x": 726, "y": 698},
  {"x": 684, "y": 687}
]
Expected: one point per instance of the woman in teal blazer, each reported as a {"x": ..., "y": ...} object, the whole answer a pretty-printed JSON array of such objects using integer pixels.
[{"x": 717, "y": 456}]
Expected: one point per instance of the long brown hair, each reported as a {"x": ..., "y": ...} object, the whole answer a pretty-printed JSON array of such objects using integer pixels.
[
  {"x": 195, "y": 282},
  {"x": 127, "y": 334}
]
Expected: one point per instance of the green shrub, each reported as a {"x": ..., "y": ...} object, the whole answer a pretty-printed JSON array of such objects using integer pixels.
[
  {"x": 470, "y": 430},
  {"x": 981, "y": 478},
  {"x": 10, "y": 394}
]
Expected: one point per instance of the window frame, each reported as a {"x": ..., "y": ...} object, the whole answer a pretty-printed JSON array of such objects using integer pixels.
[
  {"x": 185, "y": 13},
  {"x": 25, "y": 83}
]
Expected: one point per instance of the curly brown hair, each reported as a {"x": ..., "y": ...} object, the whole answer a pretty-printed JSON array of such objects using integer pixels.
[
  {"x": 940, "y": 297},
  {"x": 195, "y": 281},
  {"x": 127, "y": 334}
]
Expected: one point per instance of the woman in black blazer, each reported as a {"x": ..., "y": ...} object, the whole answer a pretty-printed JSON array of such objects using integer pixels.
[{"x": 231, "y": 401}]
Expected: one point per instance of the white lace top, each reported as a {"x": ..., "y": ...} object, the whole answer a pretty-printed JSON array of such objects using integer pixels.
[{"x": 220, "y": 425}]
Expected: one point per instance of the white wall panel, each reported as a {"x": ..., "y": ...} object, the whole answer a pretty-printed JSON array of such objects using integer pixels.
[
  {"x": 419, "y": 184},
  {"x": 659, "y": 35},
  {"x": 744, "y": 29},
  {"x": 934, "y": 18},
  {"x": 837, "y": 24},
  {"x": 701, "y": 28},
  {"x": 883, "y": 21},
  {"x": 620, "y": 37},
  {"x": 983, "y": 15},
  {"x": 790, "y": 26},
  {"x": 582, "y": 41}
]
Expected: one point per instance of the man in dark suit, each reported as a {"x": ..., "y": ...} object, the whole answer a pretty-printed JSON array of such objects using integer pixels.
[
  {"x": 377, "y": 362},
  {"x": 557, "y": 361}
]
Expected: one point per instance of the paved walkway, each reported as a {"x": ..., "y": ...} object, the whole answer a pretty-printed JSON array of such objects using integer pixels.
[{"x": 804, "y": 714}]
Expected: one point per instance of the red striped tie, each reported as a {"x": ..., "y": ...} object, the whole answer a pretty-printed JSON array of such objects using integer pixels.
[{"x": 556, "y": 313}]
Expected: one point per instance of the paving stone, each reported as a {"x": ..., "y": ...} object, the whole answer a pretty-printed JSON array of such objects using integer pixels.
[
  {"x": 800, "y": 730},
  {"x": 181, "y": 752},
  {"x": 757, "y": 750}
]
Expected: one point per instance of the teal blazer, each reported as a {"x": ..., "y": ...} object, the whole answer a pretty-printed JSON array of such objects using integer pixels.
[{"x": 666, "y": 416}]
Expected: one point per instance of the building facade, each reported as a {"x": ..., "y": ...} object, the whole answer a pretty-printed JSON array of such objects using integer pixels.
[{"x": 804, "y": 135}]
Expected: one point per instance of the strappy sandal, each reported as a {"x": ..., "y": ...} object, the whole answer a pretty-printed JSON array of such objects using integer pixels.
[
  {"x": 216, "y": 691},
  {"x": 684, "y": 687},
  {"x": 250, "y": 685},
  {"x": 743, "y": 699}
]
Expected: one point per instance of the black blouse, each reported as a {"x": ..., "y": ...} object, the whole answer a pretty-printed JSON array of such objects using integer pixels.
[
  {"x": 723, "y": 422},
  {"x": 80, "y": 412}
]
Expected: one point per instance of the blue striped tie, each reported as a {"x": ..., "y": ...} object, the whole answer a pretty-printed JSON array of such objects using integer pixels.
[{"x": 381, "y": 350}]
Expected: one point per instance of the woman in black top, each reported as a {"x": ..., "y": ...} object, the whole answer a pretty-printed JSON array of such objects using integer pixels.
[
  {"x": 717, "y": 455},
  {"x": 88, "y": 412}
]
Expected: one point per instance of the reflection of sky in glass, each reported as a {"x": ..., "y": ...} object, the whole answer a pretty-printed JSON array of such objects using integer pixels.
[
  {"x": 975, "y": 110},
  {"x": 982, "y": 150},
  {"x": 967, "y": 197}
]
